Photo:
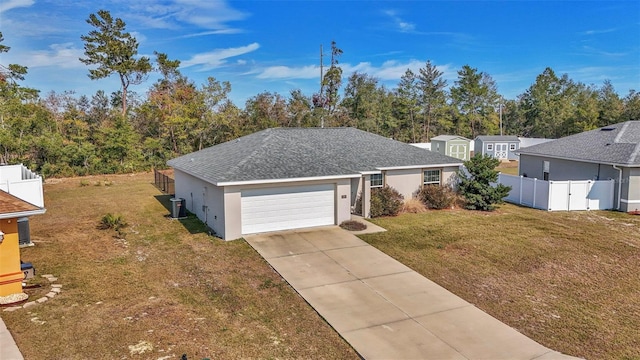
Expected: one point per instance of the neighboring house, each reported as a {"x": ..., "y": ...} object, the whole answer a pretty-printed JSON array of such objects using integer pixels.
[
  {"x": 288, "y": 178},
  {"x": 452, "y": 145},
  {"x": 499, "y": 147},
  {"x": 11, "y": 210},
  {"x": 21, "y": 182},
  {"x": 610, "y": 152}
]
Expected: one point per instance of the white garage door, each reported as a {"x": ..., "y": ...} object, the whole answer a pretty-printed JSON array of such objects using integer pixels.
[{"x": 273, "y": 209}]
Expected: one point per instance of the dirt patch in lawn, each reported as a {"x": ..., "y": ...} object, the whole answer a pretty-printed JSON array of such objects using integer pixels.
[
  {"x": 569, "y": 280},
  {"x": 159, "y": 289}
]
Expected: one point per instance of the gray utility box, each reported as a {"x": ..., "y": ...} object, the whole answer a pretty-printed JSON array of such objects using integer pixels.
[
  {"x": 24, "y": 234},
  {"x": 178, "y": 208}
]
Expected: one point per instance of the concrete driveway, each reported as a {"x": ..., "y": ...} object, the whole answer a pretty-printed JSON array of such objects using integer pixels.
[{"x": 384, "y": 309}]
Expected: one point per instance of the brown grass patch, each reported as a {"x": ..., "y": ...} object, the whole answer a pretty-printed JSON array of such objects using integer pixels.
[
  {"x": 413, "y": 206},
  {"x": 569, "y": 280},
  {"x": 165, "y": 282},
  {"x": 353, "y": 225}
]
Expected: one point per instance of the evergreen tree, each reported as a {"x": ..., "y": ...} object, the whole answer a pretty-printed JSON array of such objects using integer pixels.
[
  {"x": 114, "y": 51},
  {"x": 475, "y": 183},
  {"x": 432, "y": 96}
]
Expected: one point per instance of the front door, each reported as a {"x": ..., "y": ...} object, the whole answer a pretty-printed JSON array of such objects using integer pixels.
[{"x": 501, "y": 151}]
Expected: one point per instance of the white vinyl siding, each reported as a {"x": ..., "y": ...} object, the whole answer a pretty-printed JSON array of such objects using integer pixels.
[{"x": 282, "y": 208}]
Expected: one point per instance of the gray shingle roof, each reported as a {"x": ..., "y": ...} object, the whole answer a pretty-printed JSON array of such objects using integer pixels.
[
  {"x": 617, "y": 144},
  {"x": 287, "y": 153},
  {"x": 497, "y": 138},
  {"x": 449, "y": 137}
]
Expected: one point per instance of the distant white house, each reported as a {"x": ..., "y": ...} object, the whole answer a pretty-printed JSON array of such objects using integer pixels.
[
  {"x": 22, "y": 183},
  {"x": 426, "y": 146}
]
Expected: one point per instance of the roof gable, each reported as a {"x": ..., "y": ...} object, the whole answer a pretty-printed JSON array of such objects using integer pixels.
[
  {"x": 617, "y": 144},
  {"x": 288, "y": 153}
]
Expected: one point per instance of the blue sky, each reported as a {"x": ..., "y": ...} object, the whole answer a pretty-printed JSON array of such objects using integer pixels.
[{"x": 274, "y": 45}]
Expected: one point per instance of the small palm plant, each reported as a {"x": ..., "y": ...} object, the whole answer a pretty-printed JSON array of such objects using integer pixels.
[{"x": 113, "y": 221}]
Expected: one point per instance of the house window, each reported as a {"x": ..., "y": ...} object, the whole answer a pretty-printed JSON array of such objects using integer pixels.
[
  {"x": 376, "y": 181},
  {"x": 431, "y": 177},
  {"x": 545, "y": 170},
  {"x": 512, "y": 146},
  {"x": 489, "y": 147}
]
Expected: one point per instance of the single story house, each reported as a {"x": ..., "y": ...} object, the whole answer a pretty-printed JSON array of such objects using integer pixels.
[
  {"x": 12, "y": 209},
  {"x": 288, "y": 178},
  {"x": 610, "y": 152},
  {"x": 452, "y": 145}
]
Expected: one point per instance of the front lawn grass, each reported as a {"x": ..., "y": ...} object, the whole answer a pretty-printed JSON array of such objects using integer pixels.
[
  {"x": 156, "y": 288},
  {"x": 569, "y": 280}
]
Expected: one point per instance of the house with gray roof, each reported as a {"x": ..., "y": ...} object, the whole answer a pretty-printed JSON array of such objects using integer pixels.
[
  {"x": 289, "y": 178},
  {"x": 610, "y": 152}
]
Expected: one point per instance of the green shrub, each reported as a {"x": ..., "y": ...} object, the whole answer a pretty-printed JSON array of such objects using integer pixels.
[
  {"x": 112, "y": 221},
  {"x": 475, "y": 183},
  {"x": 437, "y": 197},
  {"x": 385, "y": 201}
]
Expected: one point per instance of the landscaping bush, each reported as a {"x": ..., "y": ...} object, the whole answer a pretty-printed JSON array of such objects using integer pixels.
[
  {"x": 475, "y": 183},
  {"x": 385, "y": 201},
  {"x": 437, "y": 197},
  {"x": 112, "y": 221},
  {"x": 353, "y": 225},
  {"x": 413, "y": 206}
]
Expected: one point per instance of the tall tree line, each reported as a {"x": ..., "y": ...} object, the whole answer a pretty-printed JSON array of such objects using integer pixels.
[{"x": 61, "y": 134}]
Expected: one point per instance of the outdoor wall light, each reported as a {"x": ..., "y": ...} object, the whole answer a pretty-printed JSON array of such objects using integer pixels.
[{"x": 1, "y": 236}]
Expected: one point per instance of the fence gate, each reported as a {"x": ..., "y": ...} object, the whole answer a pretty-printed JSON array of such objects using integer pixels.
[{"x": 560, "y": 195}]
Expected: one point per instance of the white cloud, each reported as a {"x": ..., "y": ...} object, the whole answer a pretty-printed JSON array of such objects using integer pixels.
[
  {"x": 12, "y": 4},
  {"x": 389, "y": 70},
  {"x": 596, "y": 32},
  {"x": 211, "y": 15},
  {"x": 401, "y": 24},
  {"x": 286, "y": 72},
  {"x": 58, "y": 56},
  {"x": 218, "y": 57},
  {"x": 213, "y": 32}
]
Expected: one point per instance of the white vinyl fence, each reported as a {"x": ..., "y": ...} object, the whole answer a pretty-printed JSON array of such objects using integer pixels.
[
  {"x": 559, "y": 195},
  {"x": 22, "y": 183}
]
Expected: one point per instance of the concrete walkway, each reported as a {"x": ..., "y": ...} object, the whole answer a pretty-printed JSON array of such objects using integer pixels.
[
  {"x": 384, "y": 309},
  {"x": 8, "y": 348}
]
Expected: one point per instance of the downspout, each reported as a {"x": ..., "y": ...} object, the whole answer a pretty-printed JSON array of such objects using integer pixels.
[{"x": 619, "y": 185}]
